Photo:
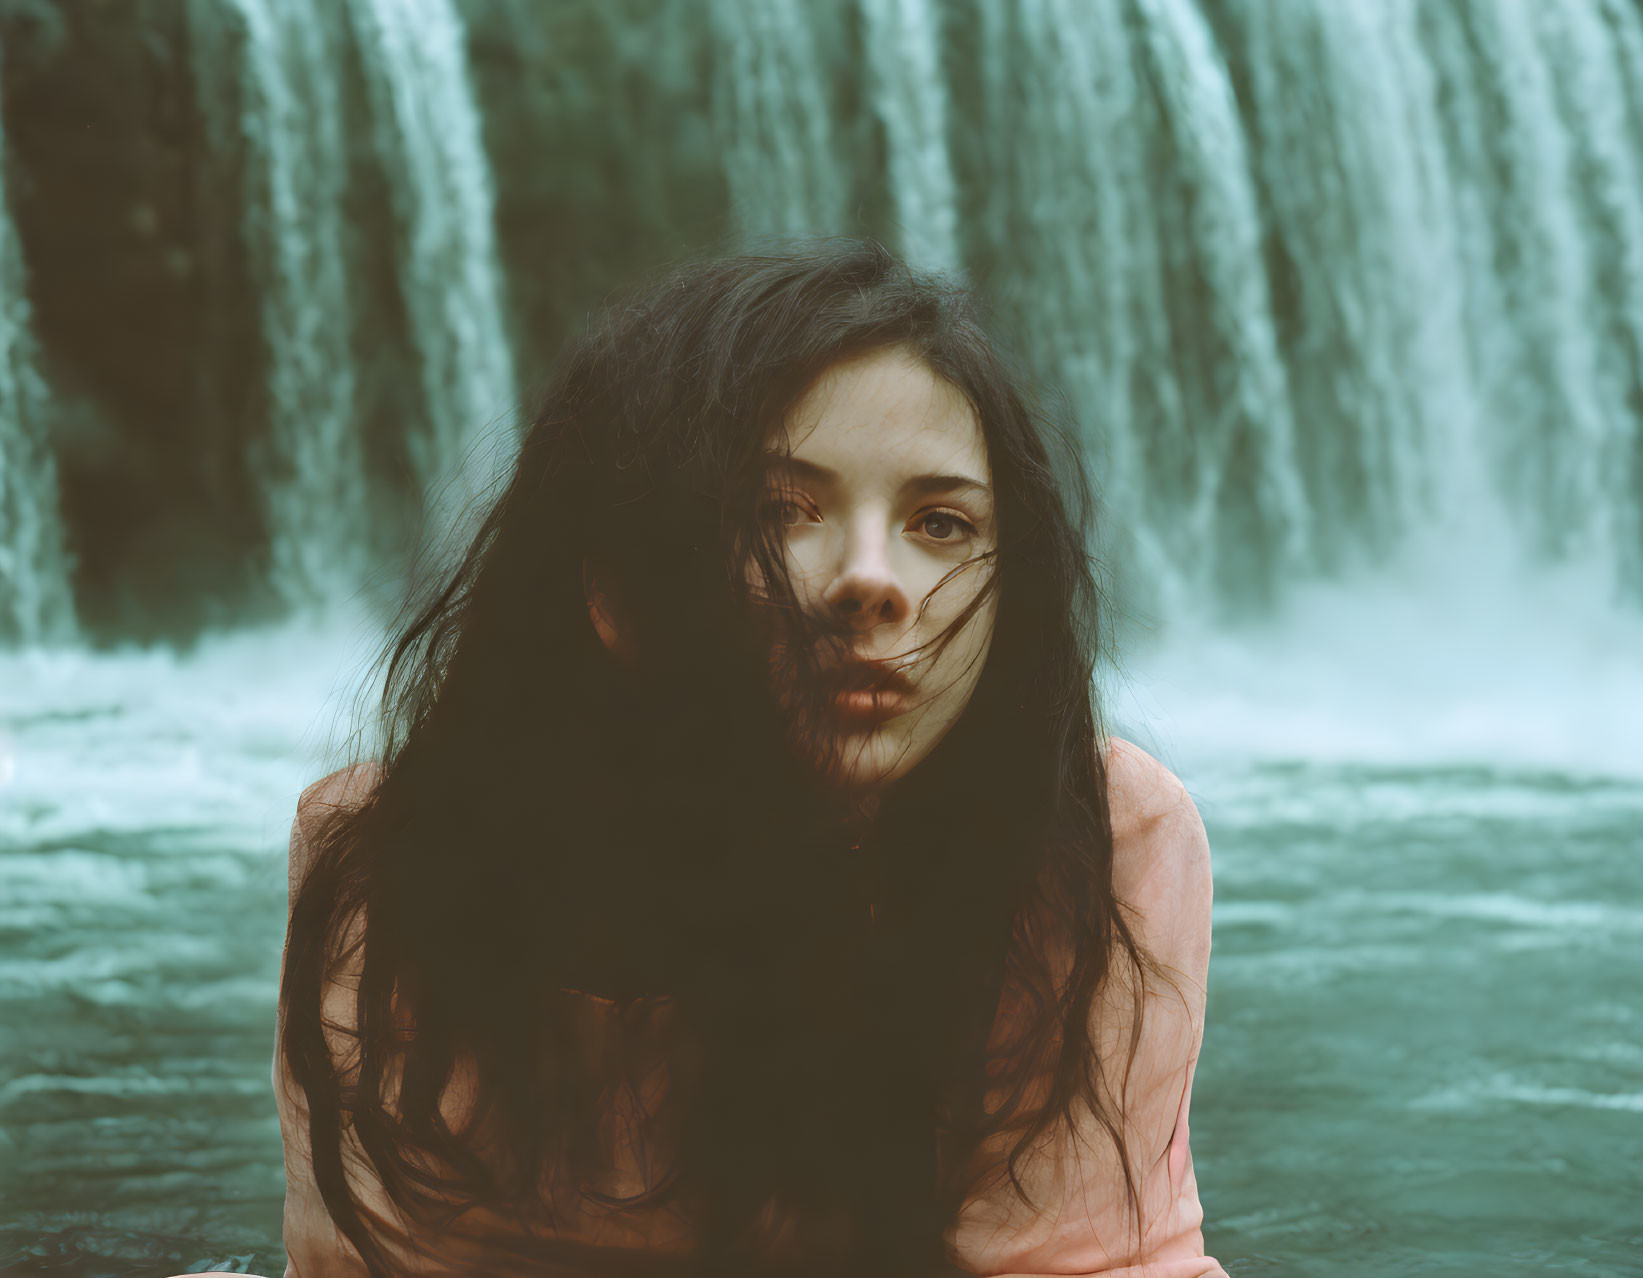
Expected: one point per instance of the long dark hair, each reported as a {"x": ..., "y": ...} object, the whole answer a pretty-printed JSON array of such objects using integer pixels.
[{"x": 552, "y": 822}]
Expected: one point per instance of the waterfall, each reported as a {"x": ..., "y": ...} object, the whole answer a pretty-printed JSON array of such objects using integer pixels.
[
  {"x": 1602, "y": 516},
  {"x": 1552, "y": 271},
  {"x": 903, "y": 39},
  {"x": 36, "y": 605},
  {"x": 287, "y": 68},
  {"x": 426, "y": 127},
  {"x": 773, "y": 108},
  {"x": 282, "y": 66},
  {"x": 1333, "y": 278},
  {"x": 1076, "y": 246},
  {"x": 1372, "y": 322},
  {"x": 1330, "y": 289},
  {"x": 1132, "y": 214}
]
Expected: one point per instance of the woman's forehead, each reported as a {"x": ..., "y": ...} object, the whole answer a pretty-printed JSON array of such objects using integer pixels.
[{"x": 885, "y": 409}]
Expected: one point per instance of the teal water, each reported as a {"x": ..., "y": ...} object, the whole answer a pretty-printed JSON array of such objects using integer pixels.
[
  {"x": 1424, "y": 1051},
  {"x": 1345, "y": 299}
]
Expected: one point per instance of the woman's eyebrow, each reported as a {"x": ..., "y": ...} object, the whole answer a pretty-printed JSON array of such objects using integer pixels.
[
  {"x": 926, "y": 485},
  {"x": 916, "y": 486}
]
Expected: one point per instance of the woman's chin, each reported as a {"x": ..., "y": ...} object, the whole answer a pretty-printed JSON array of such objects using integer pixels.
[
  {"x": 864, "y": 754},
  {"x": 872, "y": 758}
]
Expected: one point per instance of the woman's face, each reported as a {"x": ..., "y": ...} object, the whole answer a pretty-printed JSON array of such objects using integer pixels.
[{"x": 879, "y": 488}]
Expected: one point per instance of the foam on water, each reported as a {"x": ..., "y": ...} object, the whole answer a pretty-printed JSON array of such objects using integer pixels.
[
  {"x": 139, "y": 740},
  {"x": 1421, "y": 791},
  {"x": 1455, "y": 654},
  {"x": 1463, "y": 663},
  {"x": 1502, "y": 1090},
  {"x": 1497, "y": 907}
]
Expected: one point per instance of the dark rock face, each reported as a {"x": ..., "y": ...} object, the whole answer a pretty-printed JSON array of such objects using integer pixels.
[
  {"x": 128, "y": 188},
  {"x": 599, "y": 125},
  {"x": 145, "y": 319},
  {"x": 142, "y": 309},
  {"x": 617, "y": 135}
]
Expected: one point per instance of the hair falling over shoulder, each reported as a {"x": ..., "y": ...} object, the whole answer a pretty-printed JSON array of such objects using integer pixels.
[{"x": 552, "y": 816}]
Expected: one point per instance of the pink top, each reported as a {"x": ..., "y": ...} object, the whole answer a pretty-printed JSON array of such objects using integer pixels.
[{"x": 1083, "y": 1224}]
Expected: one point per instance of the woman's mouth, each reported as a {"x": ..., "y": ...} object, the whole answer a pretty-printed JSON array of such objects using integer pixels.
[
  {"x": 870, "y": 705},
  {"x": 869, "y": 691}
]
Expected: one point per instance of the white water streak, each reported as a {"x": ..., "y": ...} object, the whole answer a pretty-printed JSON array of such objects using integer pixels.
[
  {"x": 36, "y": 605},
  {"x": 909, "y": 91},
  {"x": 296, "y": 151},
  {"x": 773, "y": 108},
  {"x": 427, "y": 129}
]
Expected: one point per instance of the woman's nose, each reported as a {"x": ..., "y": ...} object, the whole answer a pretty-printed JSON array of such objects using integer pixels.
[{"x": 866, "y": 590}]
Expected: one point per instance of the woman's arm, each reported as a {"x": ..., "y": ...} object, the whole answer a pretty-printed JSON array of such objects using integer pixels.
[
  {"x": 313, "y": 1244},
  {"x": 1083, "y": 1223}
]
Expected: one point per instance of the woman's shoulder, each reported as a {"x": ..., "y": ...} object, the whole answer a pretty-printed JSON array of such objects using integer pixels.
[
  {"x": 342, "y": 788},
  {"x": 1160, "y": 849},
  {"x": 346, "y": 787},
  {"x": 343, "y": 950}
]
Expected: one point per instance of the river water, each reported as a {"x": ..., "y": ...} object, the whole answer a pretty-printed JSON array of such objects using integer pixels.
[
  {"x": 1346, "y": 303},
  {"x": 1424, "y": 1051}
]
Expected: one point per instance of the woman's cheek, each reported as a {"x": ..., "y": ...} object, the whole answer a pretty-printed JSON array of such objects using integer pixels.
[{"x": 805, "y": 555}]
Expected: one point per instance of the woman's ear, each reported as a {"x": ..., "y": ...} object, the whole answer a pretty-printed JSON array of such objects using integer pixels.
[{"x": 602, "y": 613}]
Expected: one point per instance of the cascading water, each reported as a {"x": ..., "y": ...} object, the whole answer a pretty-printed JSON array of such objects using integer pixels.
[
  {"x": 1318, "y": 282},
  {"x": 426, "y": 127},
  {"x": 279, "y": 74},
  {"x": 1376, "y": 370},
  {"x": 776, "y": 115},
  {"x": 1544, "y": 162},
  {"x": 909, "y": 94},
  {"x": 1139, "y": 234},
  {"x": 285, "y": 61},
  {"x": 1346, "y": 303},
  {"x": 36, "y": 605}
]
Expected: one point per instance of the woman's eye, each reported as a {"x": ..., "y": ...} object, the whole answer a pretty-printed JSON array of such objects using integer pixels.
[
  {"x": 788, "y": 512},
  {"x": 944, "y": 525}
]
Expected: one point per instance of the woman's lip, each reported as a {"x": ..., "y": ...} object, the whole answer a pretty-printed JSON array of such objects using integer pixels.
[
  {"x": 869, "y": 703},
  {"x": 858, "y": 675}
]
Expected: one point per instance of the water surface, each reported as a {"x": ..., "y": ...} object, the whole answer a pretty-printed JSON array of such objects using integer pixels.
[{"x": 1424, "y": 1051}]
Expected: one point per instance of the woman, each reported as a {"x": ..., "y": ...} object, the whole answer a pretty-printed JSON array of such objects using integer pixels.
[{"x": 746, "y": 886}]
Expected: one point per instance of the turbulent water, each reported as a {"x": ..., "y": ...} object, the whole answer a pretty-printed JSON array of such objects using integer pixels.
[
  {"x": 1424, "y": 1026},
  {"x": 1346, "y": 301}
]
